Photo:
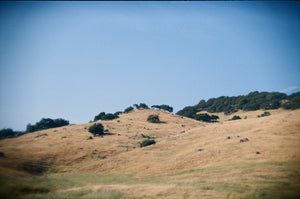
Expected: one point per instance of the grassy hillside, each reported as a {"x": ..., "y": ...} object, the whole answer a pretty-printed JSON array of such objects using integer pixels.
[{"x": 190, "y": 159}]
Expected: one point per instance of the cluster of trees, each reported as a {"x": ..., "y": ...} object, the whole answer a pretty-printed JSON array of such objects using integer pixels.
[
  {"x": 163, "y": 107},
  {"x": 107, "y": 116},
  {"x": 251, "y": 102},
  {"x": 141, "y": 106},
  {"x": 46, "y": 123},
  {"x": 9, "y": 133},
  {"x": 128, "y": 109},
  {"x": 293, "y": 101},
  {"x": 205, "y": 117},
  {"x": 110, "y": 116},
  {"x": 153, "y": 119}
]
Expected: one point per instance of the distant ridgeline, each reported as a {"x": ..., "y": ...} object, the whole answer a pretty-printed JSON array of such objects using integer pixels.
[{"x": 251, "y": 102}]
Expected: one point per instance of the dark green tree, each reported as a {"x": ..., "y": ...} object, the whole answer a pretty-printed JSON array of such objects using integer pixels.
[
  {"x": 202, "y": 117},
  {"x": 156, "y": 106},
  {"x": 147, "y": 143},
  {"x": 46, "y": 123},
  {"x": 60, "y": 122},
  {"x": 293, "y": 101},
  {"x": 100, "y": 116},
  {"x": 251, "y": 102},
  {"x": 110, "y": 116},
  {"x": 96, "y": 129},
  {"x": 214, "y": 118},
  {"x": 163, "y": 107},
  {"x": 128, "y": 109},
  {"x": 118, "y": 113},
  {"x": 236, "y": 117},
  {"x": 153, "y": 119},
  {"x": 30, "y": 128},
  {"x": 141, "y": 106},
  {"x": 6, "y": 133},
  {"x": 104, "y": 116}
]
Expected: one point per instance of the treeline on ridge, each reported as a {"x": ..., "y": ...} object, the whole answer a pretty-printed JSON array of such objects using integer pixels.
[
  {"x": 111, "y": 116},
  {"x": 44, "y": 123},
  {"x": 47, "y": 123},
  {"x": 251, "y": 102}
]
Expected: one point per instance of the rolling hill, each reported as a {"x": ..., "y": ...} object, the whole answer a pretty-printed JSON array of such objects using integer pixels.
[{"x": 191, "y": 159}]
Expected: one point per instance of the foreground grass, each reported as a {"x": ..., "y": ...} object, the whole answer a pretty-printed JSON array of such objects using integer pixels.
[{"x": 240, "y": 180}]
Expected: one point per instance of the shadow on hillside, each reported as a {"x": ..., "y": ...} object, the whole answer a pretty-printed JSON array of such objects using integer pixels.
[
  {"x": 106, "y": 133},
  {"x": 161, "y": 122},
  {"x": 109, "y": 133}
]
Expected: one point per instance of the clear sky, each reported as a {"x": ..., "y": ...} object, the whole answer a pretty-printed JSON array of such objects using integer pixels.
[{"x": 73, "y": 60}]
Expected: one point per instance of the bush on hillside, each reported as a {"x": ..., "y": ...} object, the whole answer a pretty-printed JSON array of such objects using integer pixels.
[
  {"x": 147, "y": 143},
  {"x": 214, "y": 118},
  {"x": 264, "y": 114},
  {"x": 236, "y": 117},
  {"x": 153, "y": 119},
  {"x": 96, "y": 129},
  {"x": 206, "y": 118}
]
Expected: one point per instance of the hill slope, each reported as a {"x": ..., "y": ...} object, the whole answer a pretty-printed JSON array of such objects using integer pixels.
[{"x": 191, "y": 159}]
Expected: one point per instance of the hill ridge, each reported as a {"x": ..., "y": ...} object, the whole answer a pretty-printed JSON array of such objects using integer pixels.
[{"x": 187, "y": 154}]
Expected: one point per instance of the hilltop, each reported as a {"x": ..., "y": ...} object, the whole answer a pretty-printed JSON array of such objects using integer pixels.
[{"x": 191, "y": 159}]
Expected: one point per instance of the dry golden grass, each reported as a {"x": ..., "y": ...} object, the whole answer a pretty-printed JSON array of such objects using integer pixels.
[{"x": 191, "y": 159}]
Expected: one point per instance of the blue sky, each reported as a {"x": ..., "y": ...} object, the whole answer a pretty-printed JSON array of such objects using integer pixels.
[{"x": 73, "y": 60}]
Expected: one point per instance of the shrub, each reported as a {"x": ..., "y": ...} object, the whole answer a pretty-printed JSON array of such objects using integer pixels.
[
  {"x": 214, "y": 118},
  {"x": 264, "y": 114},
  {"x": 202, "y": 117},
  {"x": 153, "y": 119},
  {"x": 96, "y": 129},
  {"x": 147, "y": 143},
  {"x": 236, "y": 117}
]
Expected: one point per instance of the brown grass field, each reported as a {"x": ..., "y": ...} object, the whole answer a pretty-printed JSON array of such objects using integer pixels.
[{"x": 190, "y": 159}]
